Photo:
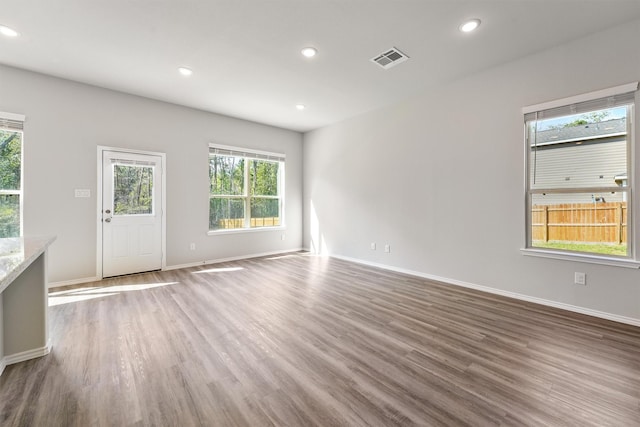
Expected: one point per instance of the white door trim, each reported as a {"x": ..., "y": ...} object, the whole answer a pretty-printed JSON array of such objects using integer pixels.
[{"x": 163, "y": 158}]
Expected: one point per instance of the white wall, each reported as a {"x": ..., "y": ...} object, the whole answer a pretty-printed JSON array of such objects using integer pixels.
[
  {"x": 65, "y": 123},
  {"x": 440, "y": 178}
]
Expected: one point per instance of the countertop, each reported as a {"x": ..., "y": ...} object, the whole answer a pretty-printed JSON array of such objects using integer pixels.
[{"x": 17, "y": 253}]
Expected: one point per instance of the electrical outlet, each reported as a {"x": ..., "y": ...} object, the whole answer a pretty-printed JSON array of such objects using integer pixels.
[
  {"x": 580, "y": 278},
  {"x": 282, "y": 236},
  {"x": 387, "y": 248},
  {"x": 192, "y": 247},
  {"x": 373, "y": 246}
]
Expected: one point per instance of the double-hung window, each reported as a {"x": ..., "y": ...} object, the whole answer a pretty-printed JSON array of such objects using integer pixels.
[
  {"x": 579, "y": 174},
  {"x": 246, "y": 189},
  {"x": 11, "y": 126}
]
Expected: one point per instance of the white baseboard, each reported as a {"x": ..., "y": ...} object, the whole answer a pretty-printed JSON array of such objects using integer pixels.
[
  {"x": 177, "y": 266},
  {"x": 72, "y": 282},
  {"x": 236, "y": 258},
  {"x": 522, "y": 297},
  {"x": 24, "y": 355}
]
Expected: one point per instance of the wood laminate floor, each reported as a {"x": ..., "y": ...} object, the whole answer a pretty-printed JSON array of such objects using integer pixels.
[{"x": 299, "y": 340}]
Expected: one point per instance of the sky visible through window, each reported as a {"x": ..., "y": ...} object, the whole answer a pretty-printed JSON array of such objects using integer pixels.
[{"x": 560, "y": 122}]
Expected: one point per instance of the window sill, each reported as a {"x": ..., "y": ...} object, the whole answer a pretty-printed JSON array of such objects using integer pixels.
[
  {"x": 591, "y": 259},
  {"x": 245, "y": 230}
]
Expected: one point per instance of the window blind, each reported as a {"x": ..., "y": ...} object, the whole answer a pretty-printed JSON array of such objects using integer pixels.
[
  {"x": 611, "y": 101},
  {"x": 223, "y": 150},
  {"x": 132, "y": 162},
  {"x": 10, "y": 121}
]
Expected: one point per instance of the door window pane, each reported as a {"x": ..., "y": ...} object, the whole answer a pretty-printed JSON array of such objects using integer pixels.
[{"x": 132, "y": 190}]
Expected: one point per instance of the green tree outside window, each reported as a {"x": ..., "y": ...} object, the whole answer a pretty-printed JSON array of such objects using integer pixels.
[{"x": 10, "y": 182}]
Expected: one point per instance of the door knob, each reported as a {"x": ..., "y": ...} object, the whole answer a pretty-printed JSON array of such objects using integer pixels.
[
  {"x": 107, "y": 220},
  {"x": 108, "y": 211}
]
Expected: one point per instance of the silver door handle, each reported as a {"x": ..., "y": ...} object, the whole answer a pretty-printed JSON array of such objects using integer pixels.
[{"x": 107, "y": 220}]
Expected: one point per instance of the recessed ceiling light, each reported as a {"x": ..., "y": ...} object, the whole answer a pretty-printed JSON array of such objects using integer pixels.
[
  {"x": 9, "y": 32},
  {"x": 309, "y": 52},
  {"x": 300, "y": 107},
  {"x": 185, "y": 71},
  {"x": 470, "y": 25}
]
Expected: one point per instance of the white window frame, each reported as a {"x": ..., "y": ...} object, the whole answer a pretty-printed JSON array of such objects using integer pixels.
[
  {"x": 15, "y": 123},
  {"x": 633, "y": 239},
  {"x": 250, "y": 154}
]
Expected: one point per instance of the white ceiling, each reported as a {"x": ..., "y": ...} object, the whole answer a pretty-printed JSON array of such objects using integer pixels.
[{"x": 246, "y": 58}]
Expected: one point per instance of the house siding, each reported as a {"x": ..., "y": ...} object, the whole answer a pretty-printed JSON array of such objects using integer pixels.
[{"x": 593, "y": 164}]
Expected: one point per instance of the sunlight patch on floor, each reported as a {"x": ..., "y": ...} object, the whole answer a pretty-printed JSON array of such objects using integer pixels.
[
  {"x": 283, "y": 256},
  {"x": 218, "y": 270},
  {"x": 84, "y": 294}
]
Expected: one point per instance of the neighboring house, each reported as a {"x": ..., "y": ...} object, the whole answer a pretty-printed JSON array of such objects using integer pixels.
[{"x": 599, "y": 149}]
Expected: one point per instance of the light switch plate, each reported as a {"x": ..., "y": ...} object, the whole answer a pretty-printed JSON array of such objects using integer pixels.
[{"x": 82, "y": 192}]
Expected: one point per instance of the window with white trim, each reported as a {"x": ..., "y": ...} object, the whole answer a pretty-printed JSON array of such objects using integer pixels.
[
  {"x": 579, "y": 174},
  {"x": 246, "y": 189},
  {"x": 11, "y": 126}
]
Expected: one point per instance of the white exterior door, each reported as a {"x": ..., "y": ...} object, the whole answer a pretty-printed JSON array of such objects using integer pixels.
[{"x": 131, "y": 214}]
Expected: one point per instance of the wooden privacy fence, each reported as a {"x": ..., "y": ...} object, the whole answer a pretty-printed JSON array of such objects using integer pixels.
[
  {"x": 255, "y": 222},
  {"x": 580, "y": 222}
]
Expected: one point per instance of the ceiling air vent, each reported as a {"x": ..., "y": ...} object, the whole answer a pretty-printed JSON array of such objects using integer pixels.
[{"x": 390, "y": 58}]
